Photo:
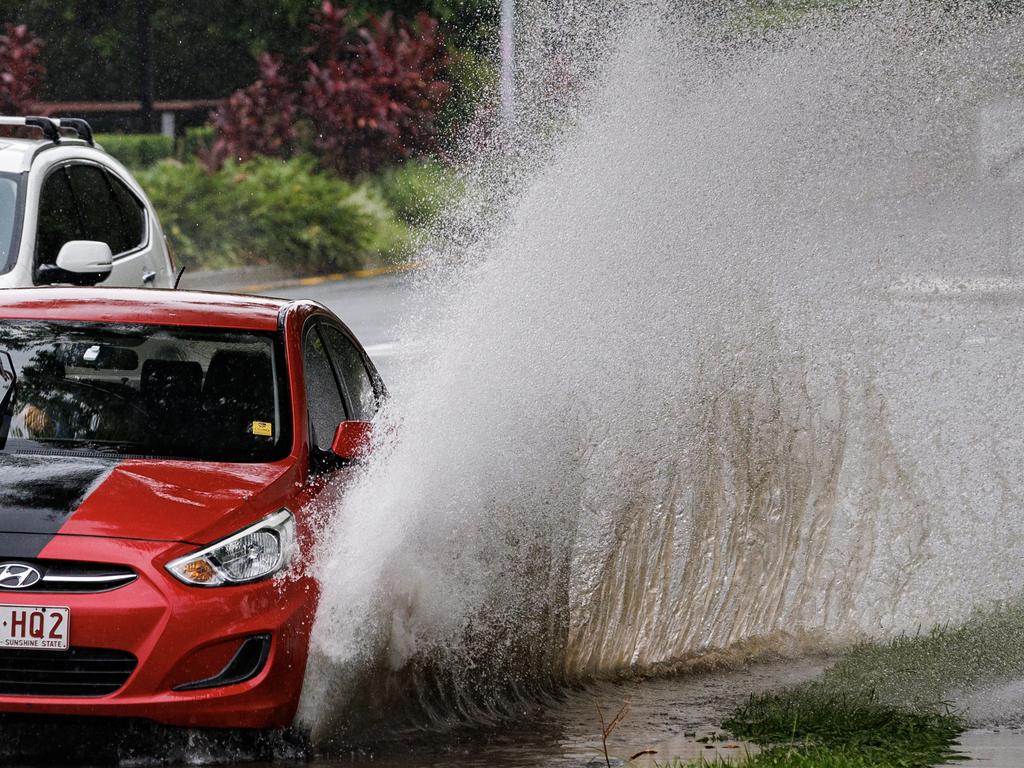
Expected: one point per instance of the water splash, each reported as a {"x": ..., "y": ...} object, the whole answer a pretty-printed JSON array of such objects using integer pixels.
[{"x": 675, "y": 396}]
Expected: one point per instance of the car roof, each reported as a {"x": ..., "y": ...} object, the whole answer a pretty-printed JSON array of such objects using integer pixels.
[
  {"x": 144, "y": 306},
  {"x": 16, "y": 154}
]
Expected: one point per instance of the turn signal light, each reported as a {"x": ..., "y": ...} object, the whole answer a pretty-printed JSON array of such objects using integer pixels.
[{"x": 198, "y": 572}]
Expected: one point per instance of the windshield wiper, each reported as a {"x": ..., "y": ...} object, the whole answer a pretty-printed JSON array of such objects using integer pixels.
[{"x": 106, "y": 447}]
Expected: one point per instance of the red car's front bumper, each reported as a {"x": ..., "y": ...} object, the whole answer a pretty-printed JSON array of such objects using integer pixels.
[{"x": 180, "y": 635}]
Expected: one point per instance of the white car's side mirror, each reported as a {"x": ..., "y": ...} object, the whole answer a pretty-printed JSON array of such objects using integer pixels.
[
  {"x": 86, "y": 257},
  {"x": 79, "y": 262}
]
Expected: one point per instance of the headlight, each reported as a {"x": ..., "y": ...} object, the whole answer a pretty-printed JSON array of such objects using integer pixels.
[{"x": 254, "y": 553}]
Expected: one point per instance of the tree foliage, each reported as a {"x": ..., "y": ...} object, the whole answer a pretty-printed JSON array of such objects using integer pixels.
[
  {"x": 257, "y": 120},
  {"x": 201, "y": 50},
  {"x": 21, "y": 70},
  {"x": 370, "y": 96}
]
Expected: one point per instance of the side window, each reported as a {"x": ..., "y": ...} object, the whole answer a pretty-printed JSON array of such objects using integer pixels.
[
  {"x": 133, "y": 215},
  {"x": 104, "y": 213},
  {"x": 58, "y": 217},
  {"x": 326, "y": 407},
  {"x": 352, "y": 370}
]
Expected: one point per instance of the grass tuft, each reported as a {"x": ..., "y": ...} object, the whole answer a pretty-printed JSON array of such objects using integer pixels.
[
  {"x": 816, "y": 724},
  {"x": 885, "y": 704},
  {"x": 918, "y": 670}
]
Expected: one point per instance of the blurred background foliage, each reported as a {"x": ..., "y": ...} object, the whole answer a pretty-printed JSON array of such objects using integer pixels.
[
  {"x": 328, "y": 146},
  {"x": 281, "y": 211},
  {"x": 326, "y": 151},
  {"x": 203, "y": 49}
]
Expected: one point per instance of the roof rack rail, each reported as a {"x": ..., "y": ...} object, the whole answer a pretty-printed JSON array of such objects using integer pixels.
[{"x": 52, "y": 126}]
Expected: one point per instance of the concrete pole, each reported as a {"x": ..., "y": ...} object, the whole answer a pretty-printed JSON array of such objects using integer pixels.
[{"x": 507, "y": 42}]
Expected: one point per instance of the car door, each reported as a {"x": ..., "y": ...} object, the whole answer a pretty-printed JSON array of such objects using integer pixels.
[
  {"x": 84, "y": 201},
  {"x": 352, "y": 370},
  {"x": 339, "y": 386},
  {"x": 326, "y": 399}
]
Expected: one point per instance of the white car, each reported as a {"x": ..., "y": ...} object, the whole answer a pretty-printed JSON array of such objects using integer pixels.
[{"x": 72, "y": 214}]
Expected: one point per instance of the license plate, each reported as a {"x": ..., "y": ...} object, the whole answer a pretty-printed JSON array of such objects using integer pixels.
[{"x": 28, "y": 626}]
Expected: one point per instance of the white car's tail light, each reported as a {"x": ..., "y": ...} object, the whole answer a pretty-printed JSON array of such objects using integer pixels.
[{"x": 254, "y": 553}]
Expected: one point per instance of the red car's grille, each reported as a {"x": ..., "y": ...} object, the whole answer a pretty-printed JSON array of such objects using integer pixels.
[
  {"x": 75, "y": 672},
  {"x": 67, "y": 576}
]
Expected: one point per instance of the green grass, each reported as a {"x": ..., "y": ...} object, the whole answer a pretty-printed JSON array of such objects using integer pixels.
[
  {"x": 918, "y": 670},
  {"x": 818, "y": 725},
  {"x": 884, "y": 705}
]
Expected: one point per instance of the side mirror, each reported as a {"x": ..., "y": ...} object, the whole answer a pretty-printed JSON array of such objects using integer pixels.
[
  {"x": 352, "y": 440},
  {"x": 80, "y": 262}
]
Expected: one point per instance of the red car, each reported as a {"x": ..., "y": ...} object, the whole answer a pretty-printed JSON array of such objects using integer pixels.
[{"x": 160, "y": 452}]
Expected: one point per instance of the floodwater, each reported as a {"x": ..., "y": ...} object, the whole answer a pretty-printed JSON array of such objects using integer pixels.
[{"x": 664, "y": 719}]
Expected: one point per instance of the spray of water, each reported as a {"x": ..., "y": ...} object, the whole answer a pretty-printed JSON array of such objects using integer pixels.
[{"x": 685, "y": 392}]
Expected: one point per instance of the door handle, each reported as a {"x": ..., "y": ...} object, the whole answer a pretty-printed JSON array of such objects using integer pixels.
[{"x": 148, "y": 277}]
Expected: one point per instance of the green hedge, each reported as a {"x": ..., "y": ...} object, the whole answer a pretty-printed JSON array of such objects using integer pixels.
[
  {"x": 273, "y": 211},
  {"x": 418, "y": 191},
  {"x": 195, "y": 140},
  {"x": 137, "y": 150}
]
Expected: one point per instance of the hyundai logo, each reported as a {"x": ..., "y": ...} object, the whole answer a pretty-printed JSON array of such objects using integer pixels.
[{"x": 18, "y": 576}]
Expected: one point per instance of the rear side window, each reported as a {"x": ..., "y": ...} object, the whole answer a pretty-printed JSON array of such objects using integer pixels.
[
  {"x": 133, "y": 218},
  {"x": 352, "y": 370},
  {"x": 326, "y": 407},
  {"x": 85, "y": 202}
]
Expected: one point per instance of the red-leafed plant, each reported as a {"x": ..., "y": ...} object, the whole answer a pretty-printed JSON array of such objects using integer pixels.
[
  {"x": 21, "y": 71},
  {"x": 372, "y": 94},
  {"x": 258, "y": 120}
]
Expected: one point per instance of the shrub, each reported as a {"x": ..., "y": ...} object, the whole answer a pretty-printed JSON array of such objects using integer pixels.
[
  {"x": 139, "y": 150},
  {"x": 418, "y": 191},
  {"x": 274, "y": 211},
  {"x": 258, "y": 120},
  {"x": 21, "y": 72},
  {"x": 197, "y": 140},
  {"x": 473, "y": 77},
  {"x": 300, "y": 217},
  {"x": 372, "y": 95},
  {"x": 194, "y": 207}
]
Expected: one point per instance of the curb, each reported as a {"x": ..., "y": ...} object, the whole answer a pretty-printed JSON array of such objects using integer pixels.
[
  {"x": 358, "y": 274},
  {"x": 231, "y": 280}
]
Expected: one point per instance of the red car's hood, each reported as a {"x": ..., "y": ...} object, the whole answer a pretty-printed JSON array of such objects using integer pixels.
[{"x": 44, "y": 496}]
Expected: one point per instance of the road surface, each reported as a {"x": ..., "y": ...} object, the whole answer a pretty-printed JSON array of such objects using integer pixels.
[{"x": 374, "y": 308}]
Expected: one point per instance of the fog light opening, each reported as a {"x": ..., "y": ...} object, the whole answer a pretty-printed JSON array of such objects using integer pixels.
[{"x": 248, "y": 661}]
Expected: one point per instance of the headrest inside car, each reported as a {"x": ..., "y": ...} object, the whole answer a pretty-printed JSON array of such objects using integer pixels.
[
  {"x": 240, "y": 380},
  {"x": 172, "y": 381}
]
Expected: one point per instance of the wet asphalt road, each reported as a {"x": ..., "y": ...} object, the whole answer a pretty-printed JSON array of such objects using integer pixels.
[{"x": 374, "y": 308}]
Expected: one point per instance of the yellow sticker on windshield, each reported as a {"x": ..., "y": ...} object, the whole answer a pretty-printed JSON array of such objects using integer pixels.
[{"x": 263, "y": 428}]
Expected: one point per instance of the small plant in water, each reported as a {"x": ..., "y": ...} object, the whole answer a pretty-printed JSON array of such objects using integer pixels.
[{"x": 608, "y": 727}]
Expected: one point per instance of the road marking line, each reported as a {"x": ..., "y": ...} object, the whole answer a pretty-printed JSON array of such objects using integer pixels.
[{"x": 381, "y": 349}]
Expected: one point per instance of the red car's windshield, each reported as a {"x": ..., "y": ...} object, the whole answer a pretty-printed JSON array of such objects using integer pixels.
[{"x": 204, "y": 394}]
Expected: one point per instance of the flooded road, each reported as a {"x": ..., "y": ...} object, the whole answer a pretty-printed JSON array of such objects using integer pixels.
[{"x": 664, "y": 719}]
